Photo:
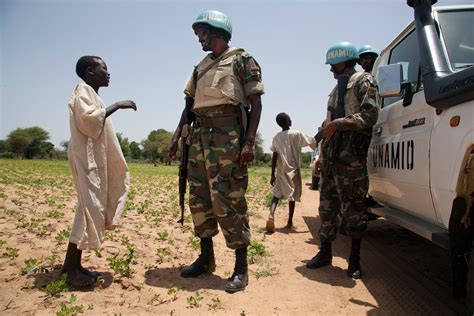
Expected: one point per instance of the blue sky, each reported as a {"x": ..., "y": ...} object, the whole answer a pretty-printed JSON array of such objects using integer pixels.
[{"x": 150, "y": 50}]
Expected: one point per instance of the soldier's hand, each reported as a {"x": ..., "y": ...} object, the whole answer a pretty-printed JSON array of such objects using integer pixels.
[
  {"x": 329, "y": 130},
  {"x": 126, "y": 104},
  {"x": 272, "y": 180},
  {"x": 172, "y": 149},
  {"x": 247, "y": 154}
]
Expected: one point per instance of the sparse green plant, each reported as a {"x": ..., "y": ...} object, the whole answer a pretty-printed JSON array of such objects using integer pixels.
[
  {"x": 156, "y": 298},
  {"x": 194, "y": 301},
  {"x": 215, "y": 305},
  {"x": 33, "y": 265},
  {"x": 62, "y": 236},
  {"x": 255, "y": 251},
  {"x": 265, "y": 273},
  {"x": 194, "y": 242},
  {"x": 56, "y": 287},
  {"x": 16, "y": 202},
  {"x": 98, "y": 253},
  {"x": 162, "y": 234},
  {"x": 121, "y": 264},
  {"x": 12, "y": 253},
  {"x": 52, "y": 260},
  {"x": 2, "y": 242},
  {"x": 70, "y": 310},
  {"x": 55, "y": 214},
  {"x": 110, "y": 235},
  {"x": 173, "y": 292},
  {"x": 143, "y": 206},
  {"x": 162, "y": 253},
  {"x": 51, "y": 202}
]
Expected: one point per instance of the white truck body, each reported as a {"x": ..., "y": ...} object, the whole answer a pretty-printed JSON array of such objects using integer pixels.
[{"x": 418, "y": 155}]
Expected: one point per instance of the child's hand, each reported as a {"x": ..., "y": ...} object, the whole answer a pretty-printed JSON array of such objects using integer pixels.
[
  {"x": 126, "y": 104},
  {"x": 272, "y": 180}
]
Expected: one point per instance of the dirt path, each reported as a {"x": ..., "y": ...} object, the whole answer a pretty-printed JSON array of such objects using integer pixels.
[{"x": 403, "y": 273}]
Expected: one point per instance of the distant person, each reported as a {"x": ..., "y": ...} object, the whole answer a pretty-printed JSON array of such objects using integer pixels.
[
  {"x": 347, "y": 134},
  {"x": 367, "y": 56},
  {"x": 286, "y": 147},
  {"x": 99, "y": 170},
  {"x": 225, "y": 91}
]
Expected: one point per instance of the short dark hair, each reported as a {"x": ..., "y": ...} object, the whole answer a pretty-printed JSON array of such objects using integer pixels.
[
  {"x": 282, "y": 119},
  {"x": 85, "y": 62}
]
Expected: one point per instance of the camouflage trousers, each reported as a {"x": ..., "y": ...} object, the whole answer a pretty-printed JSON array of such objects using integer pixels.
[
  {"x": 217, "y": 182},
  {"x": 344, "y": 186}
]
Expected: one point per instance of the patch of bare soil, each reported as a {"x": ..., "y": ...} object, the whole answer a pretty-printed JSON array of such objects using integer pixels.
[{"x": 402, "y": 273}]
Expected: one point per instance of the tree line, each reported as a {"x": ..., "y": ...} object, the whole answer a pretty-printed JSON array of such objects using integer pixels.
[{"x": 33, "y": 143}]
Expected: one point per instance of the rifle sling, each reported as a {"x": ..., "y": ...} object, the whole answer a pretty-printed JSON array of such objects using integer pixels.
[{"x": 218, "y": 59}]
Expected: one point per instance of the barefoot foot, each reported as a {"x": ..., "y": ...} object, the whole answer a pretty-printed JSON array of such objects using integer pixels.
[{"x": 77, "y": 279}]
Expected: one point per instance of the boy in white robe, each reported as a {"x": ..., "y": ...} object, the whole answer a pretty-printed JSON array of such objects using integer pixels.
[
  {"x": 286, "y": 147},
  {"x": 99, "y": 170}
]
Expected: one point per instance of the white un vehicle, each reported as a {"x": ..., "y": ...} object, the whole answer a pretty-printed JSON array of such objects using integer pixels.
[{"x": 421, "y": 158}]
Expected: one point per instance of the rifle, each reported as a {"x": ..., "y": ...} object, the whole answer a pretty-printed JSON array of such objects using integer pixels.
[
  {"x": 183, "y": 165},
  {"x": 338, "y": 112}
]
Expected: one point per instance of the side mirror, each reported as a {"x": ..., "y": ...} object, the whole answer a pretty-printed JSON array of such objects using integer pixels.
[{"x": 389, "y": 79}]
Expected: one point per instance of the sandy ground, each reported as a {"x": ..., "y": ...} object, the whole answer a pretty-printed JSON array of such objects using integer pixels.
[{"x": 403, "y": 275}]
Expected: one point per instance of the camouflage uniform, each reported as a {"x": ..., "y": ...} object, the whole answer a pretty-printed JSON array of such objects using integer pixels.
[
  {"x": 345, "y": 180},
  {"x": 217, "y": 182}
]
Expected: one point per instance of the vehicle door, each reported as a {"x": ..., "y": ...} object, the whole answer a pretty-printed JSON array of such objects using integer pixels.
[{"x": 398, "y": 162}]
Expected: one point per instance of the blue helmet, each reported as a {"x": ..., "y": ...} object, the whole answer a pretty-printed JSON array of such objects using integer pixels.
[
  {"x": 367, "y": 49},
  {"x": 215, "y": 19},
  {"x": 341, "y": 52}
]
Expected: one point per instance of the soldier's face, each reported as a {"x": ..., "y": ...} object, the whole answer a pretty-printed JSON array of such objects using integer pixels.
[
  {"x": 366, "y": 62},
  {"x": 203, "y": 37},
  {"x": 338, "y": 69}
]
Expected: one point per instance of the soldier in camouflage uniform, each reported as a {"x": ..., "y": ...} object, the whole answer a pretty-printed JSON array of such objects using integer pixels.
[
  {"x": 345, "y": 179},
  {"x": 367, "y": 56},
  {"x": 226, "y": 87}
]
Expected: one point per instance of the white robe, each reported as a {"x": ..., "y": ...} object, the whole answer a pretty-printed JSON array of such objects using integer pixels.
[
  {"x": 288, "y": 144},
  {"x": 99, "y": 170}
]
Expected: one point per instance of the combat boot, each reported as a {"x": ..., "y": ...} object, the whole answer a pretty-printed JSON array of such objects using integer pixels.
[
  {"x": 322, "y": 258},
  {"x": 205, "y": 263},
  {"x": 354, "y": 271},
  {"x": 240, "y": 278}
]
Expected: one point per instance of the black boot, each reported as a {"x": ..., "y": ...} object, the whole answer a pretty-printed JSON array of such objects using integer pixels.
[
  {"x": 205, "y": 263},
  {"x": 322, "y": 258},
  {"x": 240, "y": 279},
  {"x": 354, "y": 270}
]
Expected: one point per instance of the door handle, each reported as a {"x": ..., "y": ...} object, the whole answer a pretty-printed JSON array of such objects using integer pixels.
[{"x": 378, "y": 131}]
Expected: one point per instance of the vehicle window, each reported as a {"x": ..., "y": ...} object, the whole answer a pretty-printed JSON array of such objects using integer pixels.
[
  {"x": 457, "y": 32},
  {"x": 406, "y": 53}
]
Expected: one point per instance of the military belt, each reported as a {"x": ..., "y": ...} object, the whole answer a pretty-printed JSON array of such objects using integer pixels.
[{"x": 216, "y": 121}]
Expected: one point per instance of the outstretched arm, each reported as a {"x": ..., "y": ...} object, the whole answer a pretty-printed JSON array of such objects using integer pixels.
[{"x": 126, "y": 104}]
